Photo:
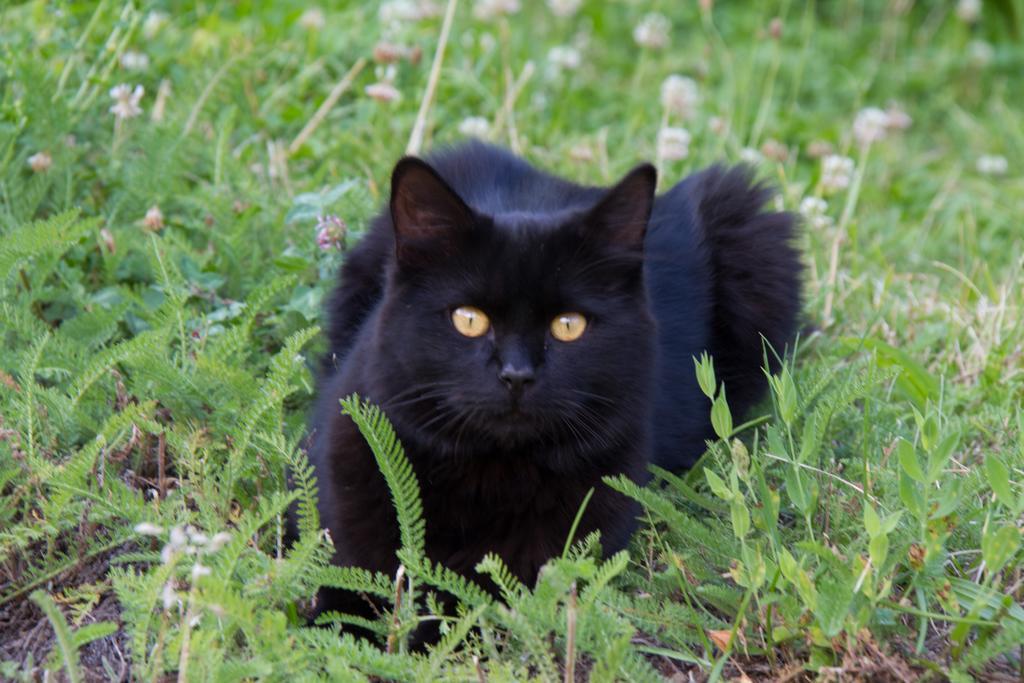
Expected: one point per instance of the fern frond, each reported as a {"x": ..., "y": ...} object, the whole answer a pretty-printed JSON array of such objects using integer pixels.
[{"x": 397, "y": 471}]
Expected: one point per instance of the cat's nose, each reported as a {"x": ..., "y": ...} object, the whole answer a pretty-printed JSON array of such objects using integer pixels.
[{"x": 516, "y": 377}]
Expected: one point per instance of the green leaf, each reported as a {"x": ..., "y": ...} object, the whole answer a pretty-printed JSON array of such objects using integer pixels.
[
  {"x": 878, "y": 548},
  {"x": 872, "y": 523},
  {"x": 940, "y": 455},
  {"x": 740, "y": 517},
  {"x": 60, "y": 628},
  {"x": 705, "y": 368},
  {"x": 998, "y": 476},
  {"x": 999, "y": 546},
  {"x": 721, "y": 417},
  {"x": 834, "y": 599},
  {"x": 914, "y": 380},
  {"x": 718, "y": 485},
  {"x": 908, "y": 461},
  {"x": 911, "y": 496}
]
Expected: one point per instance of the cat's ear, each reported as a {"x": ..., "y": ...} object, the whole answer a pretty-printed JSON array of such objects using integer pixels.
[
  {"x": 427, "y": 214},
  {"x": 621, "y": 215}
]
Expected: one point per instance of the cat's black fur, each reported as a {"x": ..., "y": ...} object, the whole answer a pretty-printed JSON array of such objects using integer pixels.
[{"x": 700, "y": 267}]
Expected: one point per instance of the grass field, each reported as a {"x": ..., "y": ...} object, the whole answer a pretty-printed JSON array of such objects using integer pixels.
[{"x": 165, "y": 245}]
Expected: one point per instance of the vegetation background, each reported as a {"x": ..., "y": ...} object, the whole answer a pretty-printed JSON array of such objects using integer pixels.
[{"x": 179, "y": 181}]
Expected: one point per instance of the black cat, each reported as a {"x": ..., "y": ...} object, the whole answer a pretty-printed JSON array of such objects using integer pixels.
[{"x": 528, "y": 336}]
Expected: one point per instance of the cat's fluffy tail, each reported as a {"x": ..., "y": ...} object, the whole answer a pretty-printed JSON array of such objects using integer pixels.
[{"x": 756, "y": 274}]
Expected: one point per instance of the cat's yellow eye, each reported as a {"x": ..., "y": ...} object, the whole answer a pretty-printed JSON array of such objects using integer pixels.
[
  {"x": 568, "y": 327},
  {"x": 470, "y": 321}
]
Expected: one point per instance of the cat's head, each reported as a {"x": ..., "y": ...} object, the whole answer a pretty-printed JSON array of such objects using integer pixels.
[{"x": 518, "y": 329}]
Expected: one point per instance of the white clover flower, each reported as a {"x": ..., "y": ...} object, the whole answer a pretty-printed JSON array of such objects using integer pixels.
[
  {"x": 968, "y": 11},
  {"x": 398, "y": 11},
  {"x": 219, "y": 540},
  {"x": 126, "y": 100},
  {"x": 488, "y": 10},
  {"x": 40, "y": 162},
  {"x": 818, "y": 149},
  {"x": 153, "y": 23},
  {"x": 148, "y": 529},
  {"x": 980, "y": 53},
  {"x": 673, "y": 143},
  {"x": 313, "y": 19},
  {"x": 813, "y": 209},
  {"x": 718, "y": 125},
  {"x": 564, "y": 8},
  {"x": 383, "y": 91},
  {"x": 475, "y": 127},
  {"x": 388, "y": 53},
  {"x": 132, "y": 60},
  {"x": 582, "y": 152},
  {"x": 564, "y": 57},
  {"x": 749, "y": 155},
  {"x": 196, "y": 536},
  {"x": 992, "y": 164},
  {"x": 896, "y": 118},
  {"x": 652, "y": 31},
  {"x": 774, "y": 150},
  {"x": 169, "y": 596},
  {"x": 154, "y": 220},
  {"x": 178, "y": 538},
  {"x": 870, "y": 125},
  {"x": 680, "y": 95},
  {"x": 199, "y": 570},
  {"x": 836, "y": 173}
]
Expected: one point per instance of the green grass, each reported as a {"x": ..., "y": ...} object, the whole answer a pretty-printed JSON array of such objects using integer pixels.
[{"x": 160, "y": 374}]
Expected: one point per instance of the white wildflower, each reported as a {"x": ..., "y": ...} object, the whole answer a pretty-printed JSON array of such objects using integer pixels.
[
  {"x": 680, "y": 96},
  {"x": 749, "y": 155},
  {"x": 673, "y": 143},
  {"x": 132, "y": 60},
  {"x": 774, "y": 150},
  {"x": 153, "y": 23},
  {"x": 818, "y": 149},
  {"x": 154, "y": 220},
  {"x": 388, "y": 53},
  {"x": 148, "y": 529},
  {"x": 488, "y": 10},
  {"x": 968, "y": 11},
  {"x": 836, "y": 173},
  {"x": 652, "y": 31},
  {"x": 169, "y": 596},
  {"x": 718, "y": 125},
  {"x": 564, "y": 8},
  {"x": 199, "y": 570},
  {"x": 398, "y": 11},
  {"x": 313, "y": 19},
  {"x": 980, "y": 53},
  {"x": 178, "y": 538},
  {"x": 896, "y": 118},
  {"x": 196, "y": 536},
  {"x": 563, "y": 57},
  {"x": 126, "y": 100},
  {"x": 582, "y": 152},
  {"x": 813, "y": 209},
  {"x": 40, "y": 162},
  {"x": 219, "y": 540},
  {"x": 383, "y": 92},
  {"x": 870, "y": 125},
  {"x": 475, "y": 127},
  {"x": 992, "y": 164}
]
